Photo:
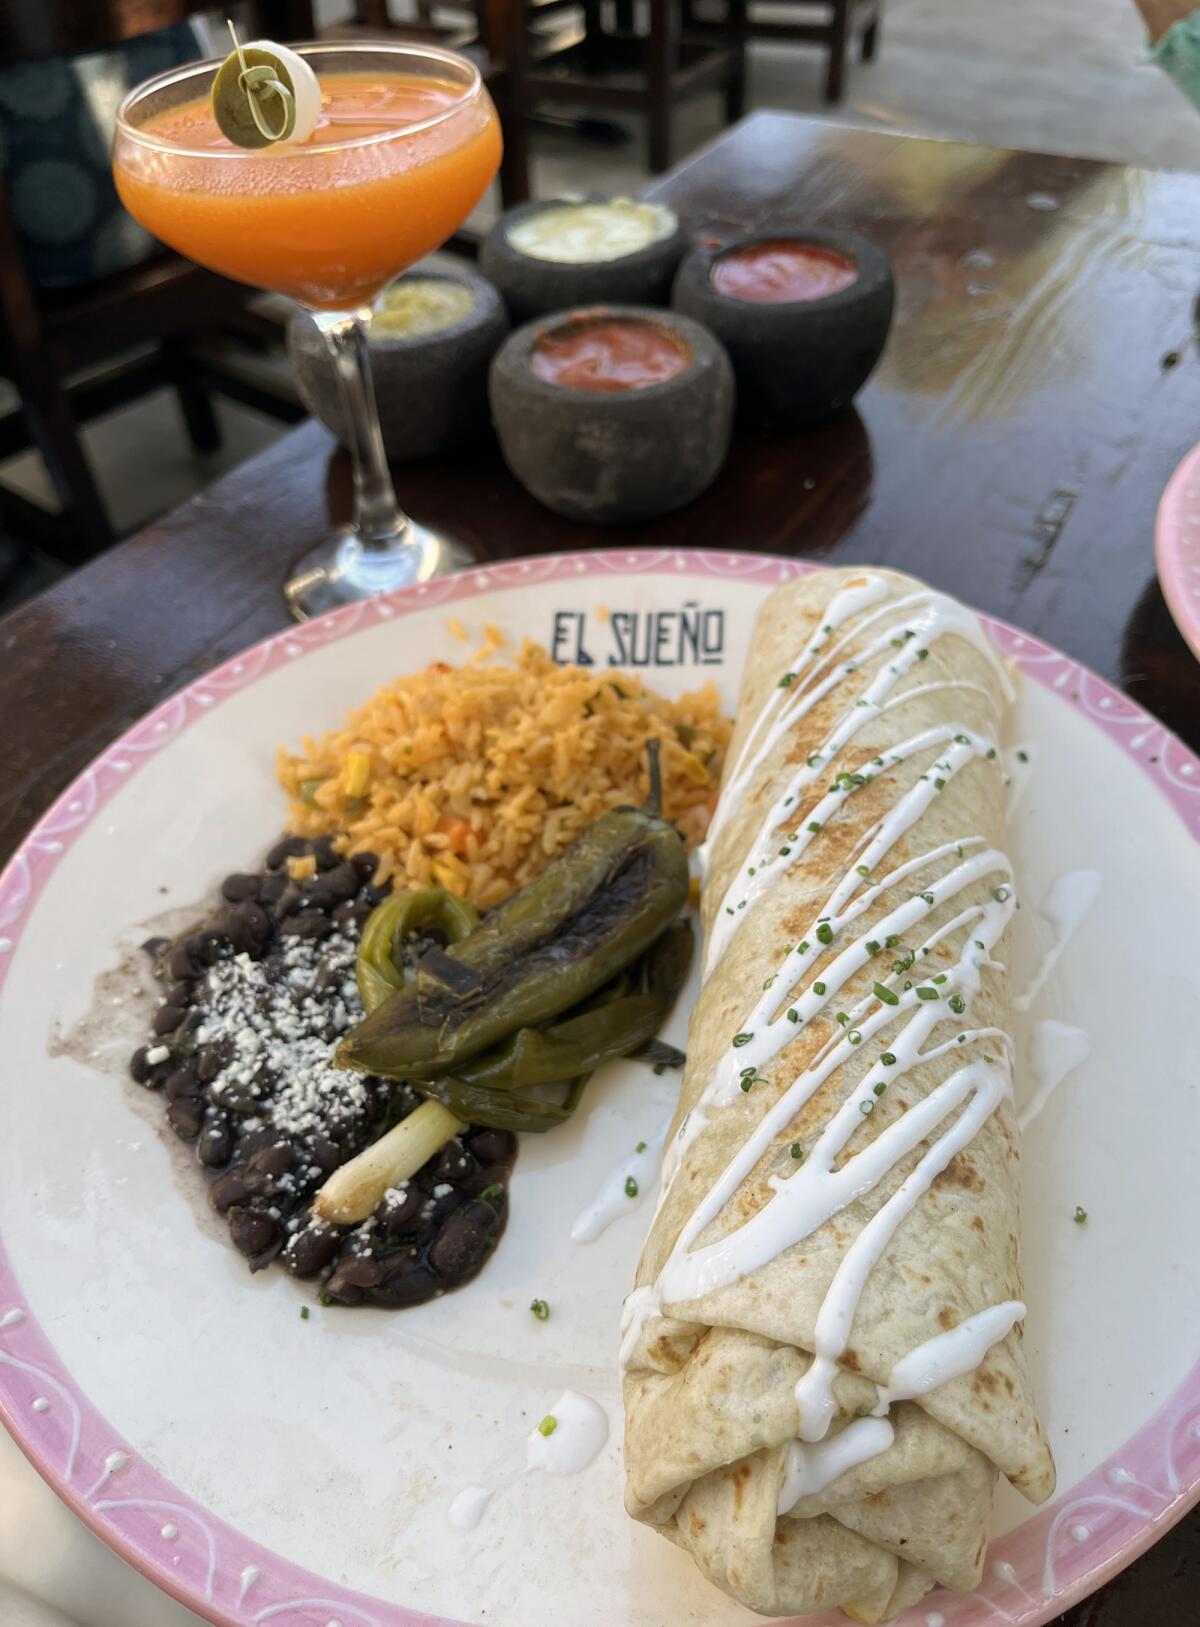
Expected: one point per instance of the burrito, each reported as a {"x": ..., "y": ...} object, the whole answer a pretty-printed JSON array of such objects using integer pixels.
[{"x": 823, "y": 1358}]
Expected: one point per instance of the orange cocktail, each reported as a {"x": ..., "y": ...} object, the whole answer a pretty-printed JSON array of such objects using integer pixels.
[
  {"x": 331, "y": 220},
  {"x": 324, "y": 171}
]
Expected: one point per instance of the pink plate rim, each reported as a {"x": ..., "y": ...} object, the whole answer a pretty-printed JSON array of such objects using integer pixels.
[
  {"x": 1177, "y": 547},
  {"x": 1058, "y": 1556}
]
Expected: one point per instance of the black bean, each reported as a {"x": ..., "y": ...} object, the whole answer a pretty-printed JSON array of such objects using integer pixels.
[
  {"x": 181, "y": 1082},
  {"x": 227, "y": 1190},
  {"x": 209, "y": 947},
  {"x": 365, "y": 864},
  {"x": 167, "y": 1019},
  {"x": 180, "y": 994},
  {"x": 237, "y": 887},
  {"x": 247, "y": 927},
  {"x": 253, "y": 1140},
  {"x": 156, "y": 947},
  {"x": 291, "y": 847},
  {"x": 375, "y": 895},
  {"x": 325, "y": 853},
  {"x": 342, "y": 881},
  {"x": 180, "y": 964},
  {"x": 398, "y": 1214},
  {"x": 307, "y": 924},
  {"x": 140, "y": 1068},
  {"x": 311, "y": 1249},
  {"x": 210, "y": 1059},
  {"x": 493, "y": 1146},
  {"x": 273, "y": 1160},
  {"x": 326, "y": 1153},
  {"x": 256, "y": 1235},
  {"x": 316, "y": 894},
  {"x": 455, "y": 1164},
  {"x": 215, "y": 1145},
  {"x": 445, "y": 1205},
  {"x": 460, "y": 1246},
  {"x": 345, "y": 1295},
  {"x": 272, "y": 888},
  {"x": 411, "y": 1284},
  {"x": 355, "y": 1271},
  {"x": 185, "y": 1116},
  {"x": 351, "y": 917}
]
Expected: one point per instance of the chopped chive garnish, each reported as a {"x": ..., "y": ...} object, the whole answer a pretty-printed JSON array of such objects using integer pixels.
[
  {"x": 940, "y": 784},
  {"x": 753, "y": 870},
  {"x": 862, "y": 869},
  {"x": 1080, "y": 1215},
  {"x": 922, "y": 655},
  {"x": 892, "y": 939},
  {"x": 888, "y": 1059},
  {"x": 963, "y": 740},
  {"x": 641, "y": 1147},
  {"x": 304, "y": 1313},
  {"x": 842, "y": 1018},
  {"x": 793, "y": 1015},
  {"x": 1022, "y": 756},
  {"x": 940, "y": 978},
  {"x": 813, "y": 825},
  {"x": 541, "y": 1310},
  {"x": 866, "y": 1107},
  {"x": 788, "y": 678},
  {"x": 818, "y": 988},
  {"x": 493, "y": 1191},
  {"x": 927, "y": 994},
  {"x": 631, "y": 1187},
  {"x": 802, "y": 949},
  {"x": 991, "y": 753},
  {"x": 873, "y": 946},
  {"x": 784, "y": 851},
  {"x": 548, "y": 1424},
  {"x": 854, "y": 1037},
  {"x": 814, "y": 759},
  {"x": 747, "y": 1081},
  {"x": 797, "y": 1151},
  {"x": 957, "y": 1004},
  {"x": 741, "y": 1039},
  {"x": 928, "y": 897},
  {"x": 769, "y": 981},
  {"x": 888, "y": 996},
  {"x": 880, "y": 1087},
  {"x": 959, "y": 850},
  {"x": 825, "y": 933},
  {"x": 878, "y": 761}
]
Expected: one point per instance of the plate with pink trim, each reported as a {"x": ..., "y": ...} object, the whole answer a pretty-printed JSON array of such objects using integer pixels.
[
  {"x": 268, "y": 1467},
  {"x": 1177, "y": 547}
]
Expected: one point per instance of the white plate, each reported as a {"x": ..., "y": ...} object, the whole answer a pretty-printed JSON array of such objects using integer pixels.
[{"x": 264, "y": 1468}]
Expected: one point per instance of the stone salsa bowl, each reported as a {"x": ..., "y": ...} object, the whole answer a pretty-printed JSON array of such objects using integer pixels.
[
  {"x": 431, "y": 386},
  {"x": 619, "y": 455},
  {"x": 797, "y": 362},
  {"x": 532, "y": 286}
]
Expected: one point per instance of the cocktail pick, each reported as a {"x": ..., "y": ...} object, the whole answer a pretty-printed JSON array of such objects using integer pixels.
[{"x": 265, "y": 93}]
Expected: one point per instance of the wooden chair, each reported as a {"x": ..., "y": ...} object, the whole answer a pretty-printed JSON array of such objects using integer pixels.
[
  {"x": 831, "y": 23},
  {"x": 134, "y": 330},
  {"x": 673, "y": 60}
]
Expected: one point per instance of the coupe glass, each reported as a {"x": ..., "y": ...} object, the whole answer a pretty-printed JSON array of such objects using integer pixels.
[{"x": 407, "y": 144}]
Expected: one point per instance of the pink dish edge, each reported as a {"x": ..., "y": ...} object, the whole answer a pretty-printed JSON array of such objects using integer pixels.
[
  {"x": 1033, "y": 1573},
  {"x": 1177, "y": 533}
]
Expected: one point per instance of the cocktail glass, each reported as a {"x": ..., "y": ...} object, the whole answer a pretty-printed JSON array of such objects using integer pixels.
[{"x": 407, "y": 144}]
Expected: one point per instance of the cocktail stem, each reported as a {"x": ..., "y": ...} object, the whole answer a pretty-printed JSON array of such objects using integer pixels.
[{"x": 379, "y": 522}]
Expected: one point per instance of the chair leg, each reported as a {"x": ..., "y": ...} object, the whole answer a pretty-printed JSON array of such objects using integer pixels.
[
  {"x": 835, "y": 73},
  {"x": 662, "y": 55},
  {"x": 55, "y": 433},
  {"x": 194, "y": 397},
  {"x": 870, "y": 40},
  {"x": 735, "y": 85}
]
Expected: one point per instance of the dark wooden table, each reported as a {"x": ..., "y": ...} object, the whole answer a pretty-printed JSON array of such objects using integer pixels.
[{"x": 1041, "y": 383}]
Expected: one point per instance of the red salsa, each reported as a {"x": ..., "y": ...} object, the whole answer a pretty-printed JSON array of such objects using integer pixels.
[
  {"x": 609, "y": 353},
  {"x": 782, "y": 273}
]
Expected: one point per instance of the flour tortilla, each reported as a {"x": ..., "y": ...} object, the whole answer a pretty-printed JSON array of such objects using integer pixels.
[{"x": 709, "y": 1391}]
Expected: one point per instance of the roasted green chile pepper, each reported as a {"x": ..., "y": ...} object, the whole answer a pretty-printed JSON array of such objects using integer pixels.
[
  {"x": 378, "y": 970},
  {"x": 562, "y": 936},
  {"x": 491, "y": 1091}
]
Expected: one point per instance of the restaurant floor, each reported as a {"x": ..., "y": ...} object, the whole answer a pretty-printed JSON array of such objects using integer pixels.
[{"x": 1063, "y": 78}]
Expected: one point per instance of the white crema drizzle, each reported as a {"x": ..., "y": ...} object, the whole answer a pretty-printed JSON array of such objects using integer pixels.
[{"x": 805, "y": 1199}]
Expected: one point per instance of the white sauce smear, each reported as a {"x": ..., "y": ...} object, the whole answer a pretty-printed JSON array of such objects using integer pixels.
[
  {"x": 1064, "y": 908},
  {"x": 621, "y": 1192},
  {"x": 466, "y": 1511},
  {"x": 579, "y": 1434},
  {"x": 1055, "y": 1050}
]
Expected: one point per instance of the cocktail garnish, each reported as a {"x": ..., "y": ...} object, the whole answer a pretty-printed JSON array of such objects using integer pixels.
[{"x": 264, "y": 94}]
